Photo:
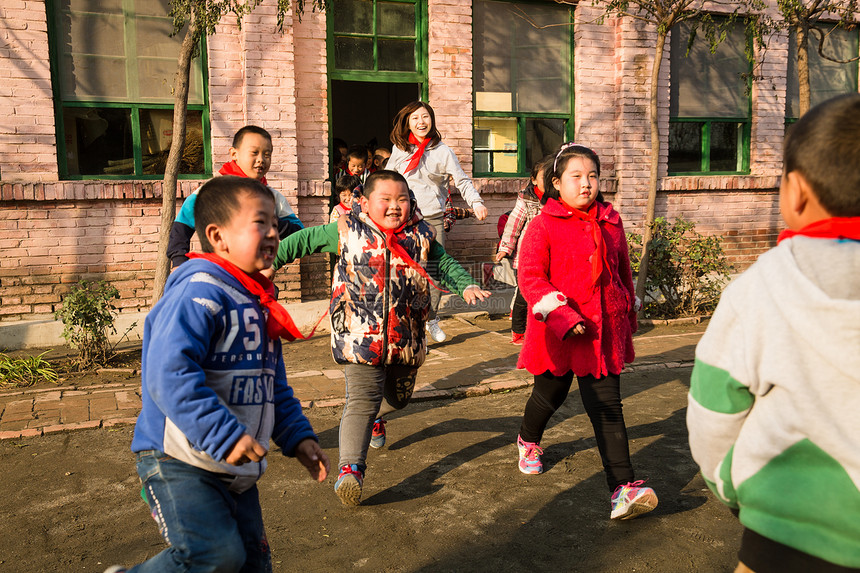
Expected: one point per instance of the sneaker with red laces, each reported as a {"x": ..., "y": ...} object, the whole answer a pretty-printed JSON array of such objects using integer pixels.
[
  {"x": 530, "y": 453},
  {"x": 630, "y": 500},
  {"x": 377, "y": 437},
  {"x": 517, "y": 338},
  {"x": 348, "y": 484}
]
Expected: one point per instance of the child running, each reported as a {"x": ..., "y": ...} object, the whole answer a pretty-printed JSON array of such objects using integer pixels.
[
  {"x": 428, "y": 165},
  {"x": 774, "y": 403},
  {"x": 250, "y": 156},
  {"x": 574, "y": 272},
  {"x": 379, "y": 304},
  {"x": 526, "y": 208},
  {"x": 214, "y": 390}
]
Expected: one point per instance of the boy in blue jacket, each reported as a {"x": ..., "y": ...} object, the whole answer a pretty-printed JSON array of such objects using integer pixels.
[{"x": 214, "y": 390}]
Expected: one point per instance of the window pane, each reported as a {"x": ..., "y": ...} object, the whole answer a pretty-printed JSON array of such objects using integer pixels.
[
  {"x": 826, "y": 78},
  {"x": 157, "y": 59},
  {"x": 396, "y": 55},
  {"x": 353, "y": 53},
  {"x": 705, "y": 84},
  {"x": 156, "y": 131},
  {"x": 496, "y": 144},
  {"x": 98, "y": 141},
  {"x": 726, "y": 140},
  {"x": 521, "y": 57},
  {"x": 685, "y": 146},
  {"x": 152, "y": 7},
  {"x": 543, "y": 136},
  {"x": 353, "y": 16},
  {"x": 395, "y": 19}
]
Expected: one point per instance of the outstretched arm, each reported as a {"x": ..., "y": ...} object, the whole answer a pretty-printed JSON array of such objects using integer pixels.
[{"x": 319, "y": 239}]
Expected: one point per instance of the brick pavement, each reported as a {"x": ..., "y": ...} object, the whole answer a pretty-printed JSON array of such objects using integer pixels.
[{"x": 477, "y": 359}]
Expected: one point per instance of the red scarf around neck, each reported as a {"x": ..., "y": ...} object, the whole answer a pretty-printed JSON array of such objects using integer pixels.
[
  {"x": 279, "y": 323},
  {"x": 232, "y": 168},
  {"x": 416, "y": 157},
  {"x": 395, "y": 247},
  {"x": 590, "y": 216},
  {"x": 833, "y": 228}
]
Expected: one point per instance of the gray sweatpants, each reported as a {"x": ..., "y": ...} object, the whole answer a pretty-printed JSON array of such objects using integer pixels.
[{"x": 371, "y": 392}]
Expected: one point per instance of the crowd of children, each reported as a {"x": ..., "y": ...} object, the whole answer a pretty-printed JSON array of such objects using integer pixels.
[{"x": 772, "y": 396}]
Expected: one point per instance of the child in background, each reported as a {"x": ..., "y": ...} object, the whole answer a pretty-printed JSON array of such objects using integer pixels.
[
  {"x": 380, "y": 157},
  {"x": 380, "y": 301},
  {"x": 339, "y": 151},
  {"x": 344, "y": 187},
  {"x": 250, "y": 156},
  {"x": 526, "y": 208},
  {"x": 775, "y": 390},
  {"x": 215, "y": 390},
  {"x": 574, "y": 272},
  {"x": 428, "y": 165},
  {"x": 356, "y": 163}
]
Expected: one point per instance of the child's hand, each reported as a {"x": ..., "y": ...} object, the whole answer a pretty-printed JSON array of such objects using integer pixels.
[
  {"x": 500, "y": 255},
  {"x": 246, "y": 449},
  {"x": 474, "y": 293},
  {"x": 480, "y": 212},
  {"x": 309, "y": 453},
  {"x": 578, "y": 329}
]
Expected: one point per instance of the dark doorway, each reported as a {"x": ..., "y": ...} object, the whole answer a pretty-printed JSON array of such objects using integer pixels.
[{"x": 362, "y": 112}]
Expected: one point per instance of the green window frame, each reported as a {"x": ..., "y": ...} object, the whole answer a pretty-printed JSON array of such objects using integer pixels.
[
  {"x": 112, "y": 100},
  {"x": 508, "y": 140},
  {"x": 826, "y": 79},
  {"x": 367, "y": 40},
  {"x": 716, "y": 143}
]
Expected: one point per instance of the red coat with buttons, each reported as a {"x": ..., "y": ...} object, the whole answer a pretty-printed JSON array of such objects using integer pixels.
[{"x": 555, "y": 277}]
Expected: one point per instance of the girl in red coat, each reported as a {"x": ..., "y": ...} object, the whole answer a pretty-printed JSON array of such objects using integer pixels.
[{"x": 574, "y": 272}]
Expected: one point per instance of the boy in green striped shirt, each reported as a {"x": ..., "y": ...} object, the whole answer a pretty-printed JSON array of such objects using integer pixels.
[{"x": 774, "y": 403}]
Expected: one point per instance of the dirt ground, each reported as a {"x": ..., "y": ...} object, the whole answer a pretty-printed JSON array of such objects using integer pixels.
[{"x": 443, "y": 495}]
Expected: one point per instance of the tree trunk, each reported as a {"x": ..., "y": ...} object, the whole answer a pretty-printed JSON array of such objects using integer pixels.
[
  {"x": 655, "y": 164},
  {"x": 802, "y": 36},
  {"x": 171, "y": 171}
]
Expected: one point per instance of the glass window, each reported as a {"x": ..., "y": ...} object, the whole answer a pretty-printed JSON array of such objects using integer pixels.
[
  {"x": 709, "y": 105},
  {"x": 521, "y": 83},
  {"x": 115, "y": 61},
  {"x": 373, "y": 35},
  {"x": 827, "y": 78}
]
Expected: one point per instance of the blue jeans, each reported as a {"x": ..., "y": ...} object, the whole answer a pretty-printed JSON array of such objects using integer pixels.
[{"x": 208, "y": 527}]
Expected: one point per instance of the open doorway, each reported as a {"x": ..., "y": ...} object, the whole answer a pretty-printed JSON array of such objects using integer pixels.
[{"x": 362, "y": 112}]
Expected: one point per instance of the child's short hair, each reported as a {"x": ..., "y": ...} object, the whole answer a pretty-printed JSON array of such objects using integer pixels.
[
  {"x": 357, "y": 152},
  {"x": 218, "y": 200},
  {"x": 346, "y": 183},
  {"x": 824, "y": 146},
  {"x": 237, "y": 138},
  {"x": 542, "y": 164},
  {"x": 556, "y": 165},
  {"x": 400, "y": 133},
  {"x": 383, "y": 175}
]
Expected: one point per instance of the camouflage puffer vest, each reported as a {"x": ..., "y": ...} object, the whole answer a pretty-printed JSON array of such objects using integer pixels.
[{"x": 379, "y": 304}]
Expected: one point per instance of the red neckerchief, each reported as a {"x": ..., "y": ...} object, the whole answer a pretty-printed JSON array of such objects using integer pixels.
[
  {"x": 590, "y": 216},
  {"x": 232, "y": 168},
  {"x": 538, "y": 192},
  {"x": 416, "y": 157},
  {"x": 279, "y": 323},
  {"x": 395, "y": 247},
  {"x": 833, "y": 228}
]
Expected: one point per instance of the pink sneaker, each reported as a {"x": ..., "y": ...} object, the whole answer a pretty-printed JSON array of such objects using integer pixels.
[
  {"x": 517, "y": 338},
  {"x": 530, "y": 453},
  {"x": 630, "y": 500}
]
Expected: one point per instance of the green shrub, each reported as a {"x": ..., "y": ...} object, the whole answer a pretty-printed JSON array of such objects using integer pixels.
[
  {"x": 25, "y": 371},
  {"x": 686, "y": 270},
  {"x": 88, "y": 316}
]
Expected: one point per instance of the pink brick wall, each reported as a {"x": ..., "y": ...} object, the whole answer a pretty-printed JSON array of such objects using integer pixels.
[
  {"x": 53, "y": 233},
  {"x": 28, "y": 142}
]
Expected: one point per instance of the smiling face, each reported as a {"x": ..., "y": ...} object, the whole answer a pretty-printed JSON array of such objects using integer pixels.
[
  {"x": 420, "y": 123},
  {"x": 356, "y": 165},
  {"x": 577, "y": 185},
  {"x": 249, "y": 239},
  {"x": 253, "y": 156},
  {"x": 346, "y": 197},
  {"x": 388, "y": 204}
]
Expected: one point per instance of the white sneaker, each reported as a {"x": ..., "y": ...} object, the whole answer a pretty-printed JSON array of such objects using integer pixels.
[{"x": 436, "y": 331}]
